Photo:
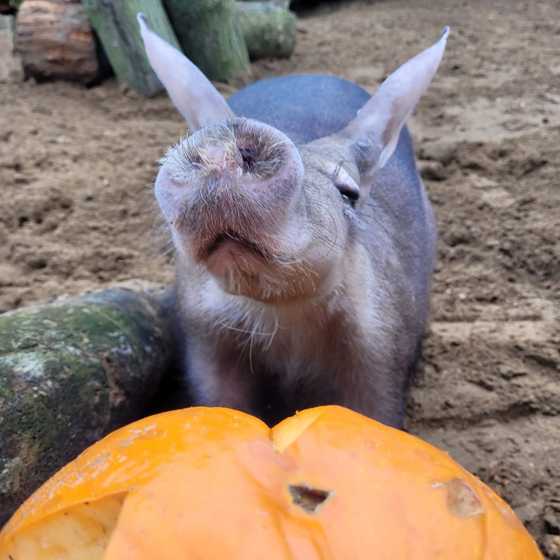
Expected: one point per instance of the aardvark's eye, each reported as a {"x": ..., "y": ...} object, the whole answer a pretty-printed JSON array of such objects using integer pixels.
[
  {"x": 348, "y": 194},
  {"x": 346, "y": 186}
]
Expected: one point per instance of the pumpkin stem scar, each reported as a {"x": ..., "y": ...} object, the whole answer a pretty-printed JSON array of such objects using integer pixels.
[{"x": 307, "y": 498}]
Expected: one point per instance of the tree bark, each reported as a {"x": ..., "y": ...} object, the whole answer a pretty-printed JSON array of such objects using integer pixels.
[
  {"x": 70, "y": 372},
  {"x": 116, "y": 25},
  {"x": 269, "y": 30},
  {"x": 11, "y": 69},
  {"x": 55, "y": 41},
  {"x": 210, "y": 36}
]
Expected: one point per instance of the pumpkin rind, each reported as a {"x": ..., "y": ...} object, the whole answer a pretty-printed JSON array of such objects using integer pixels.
[
  {"x": 131, "y": 455},
  {"x": 326, "y": 483}
]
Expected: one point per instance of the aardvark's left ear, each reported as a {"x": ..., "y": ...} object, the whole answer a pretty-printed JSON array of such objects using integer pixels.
[
  {"x": 200, "y": 103},
  {"x": 379, "y": 122}
]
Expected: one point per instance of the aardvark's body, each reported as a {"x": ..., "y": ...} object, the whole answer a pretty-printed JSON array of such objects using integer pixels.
[{"x": 304, "y": 238}]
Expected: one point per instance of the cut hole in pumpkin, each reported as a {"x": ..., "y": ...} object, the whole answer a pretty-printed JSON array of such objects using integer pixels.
[{"x": 307, "y": 498}]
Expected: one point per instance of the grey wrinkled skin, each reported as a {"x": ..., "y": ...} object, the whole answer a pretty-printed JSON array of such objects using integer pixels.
[{"x": 304, "y": 244}]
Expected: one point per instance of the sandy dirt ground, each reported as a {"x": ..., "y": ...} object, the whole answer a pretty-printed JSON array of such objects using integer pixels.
[{"x": 76, "y": 168}]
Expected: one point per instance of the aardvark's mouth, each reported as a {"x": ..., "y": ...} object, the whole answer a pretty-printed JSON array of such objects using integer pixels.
[{"x": 227, "y": 238}]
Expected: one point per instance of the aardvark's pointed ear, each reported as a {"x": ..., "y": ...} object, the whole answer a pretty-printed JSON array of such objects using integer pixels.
[
  {"x": 380, "y": 120},
  {"x": 200, "y": 103}
]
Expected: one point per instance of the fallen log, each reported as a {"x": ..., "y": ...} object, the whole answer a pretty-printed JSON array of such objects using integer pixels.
[
  {"x": 278, "y": 3},
  {"x": 268, "y": 29},
  {"x": 69, "y": 373},
  {"x": 55, "y": 41}
]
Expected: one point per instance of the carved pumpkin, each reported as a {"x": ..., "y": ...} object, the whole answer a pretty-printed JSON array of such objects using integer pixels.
[{"x": 215, "y": 483}]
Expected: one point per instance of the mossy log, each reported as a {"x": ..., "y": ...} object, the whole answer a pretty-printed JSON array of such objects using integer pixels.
[
  {"x": 210, "y": 35},
  {"x": 69, "y": 373},
  {"x": 268, "y": 30},
  {"x": 55, "y": 41},
  {"x": 118, "y": 31},
  {"x": 278, "y": 3}
]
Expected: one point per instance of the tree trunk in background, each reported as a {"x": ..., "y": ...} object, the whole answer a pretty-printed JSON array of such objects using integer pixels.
[
  {"x": 10, "y": 64},
  {"x": 55, "y": 41},
  {"x": 69, "y": 373},
  {"x": 269, "y": 30},
  {"x": 210, "y": 36},
  {"x": 116, "y": 25}
]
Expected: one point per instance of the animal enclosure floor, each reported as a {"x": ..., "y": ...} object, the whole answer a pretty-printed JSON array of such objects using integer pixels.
[{"x": 77, "y": 213}]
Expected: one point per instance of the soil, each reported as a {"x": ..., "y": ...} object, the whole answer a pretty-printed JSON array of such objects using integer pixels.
[{"x": 76, "y": 168}]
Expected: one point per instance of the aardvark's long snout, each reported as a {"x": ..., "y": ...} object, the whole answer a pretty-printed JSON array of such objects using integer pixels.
[{"x": 237, "y": 181}]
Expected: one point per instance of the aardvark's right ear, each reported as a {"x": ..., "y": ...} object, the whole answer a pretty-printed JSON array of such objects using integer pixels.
[{"x": 200, "y": 103}]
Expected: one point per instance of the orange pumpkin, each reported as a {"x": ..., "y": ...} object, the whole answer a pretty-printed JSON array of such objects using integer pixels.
[{"x": 211, "y": 483}]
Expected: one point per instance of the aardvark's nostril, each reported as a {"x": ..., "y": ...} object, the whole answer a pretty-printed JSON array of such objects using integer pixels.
[{"x": 249, "y": 157}]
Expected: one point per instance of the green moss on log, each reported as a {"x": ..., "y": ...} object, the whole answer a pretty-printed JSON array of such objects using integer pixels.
[
  {"x": 210, "y": 36},
  {"x": 69, "y": 373},
  {"x": 269, "y": 30}
]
